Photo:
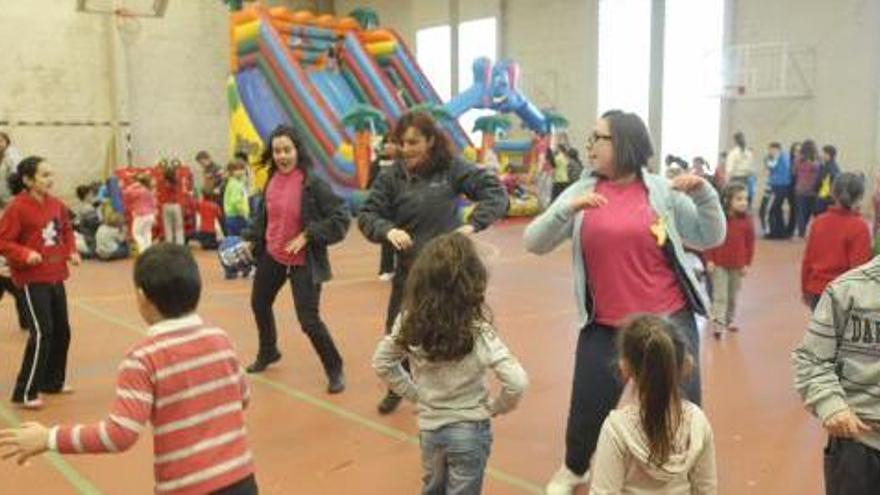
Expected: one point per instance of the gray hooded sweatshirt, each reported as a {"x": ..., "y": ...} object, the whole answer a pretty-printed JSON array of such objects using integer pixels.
[
  {"x": 620, "y": 465},
  {"x": 837, "y": 364}
]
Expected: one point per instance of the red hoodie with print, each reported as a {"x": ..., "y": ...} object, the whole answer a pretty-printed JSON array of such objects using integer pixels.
[{"x": 29, "y": 224}]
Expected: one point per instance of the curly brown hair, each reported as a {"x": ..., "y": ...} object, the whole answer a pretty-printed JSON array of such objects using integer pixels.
[
  {"x": 440, "y": 155},
  {"x": 445, "y": 299}
]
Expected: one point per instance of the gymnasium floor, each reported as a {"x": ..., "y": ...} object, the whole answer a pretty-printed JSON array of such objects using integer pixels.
[{"x": 307, "y": 442}]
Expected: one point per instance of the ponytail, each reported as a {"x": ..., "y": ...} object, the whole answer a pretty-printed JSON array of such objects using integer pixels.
[
  {"x": 659, "y": 397},
  {"x": 656, "y": 356},
  {"x": 848, "y": 189},
  {"x": 26, "y": 168}
]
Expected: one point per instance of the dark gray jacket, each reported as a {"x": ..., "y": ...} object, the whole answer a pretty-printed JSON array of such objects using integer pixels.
[
  {"x": 424, "y": 205},
  {"x": 325, "y": 218}
]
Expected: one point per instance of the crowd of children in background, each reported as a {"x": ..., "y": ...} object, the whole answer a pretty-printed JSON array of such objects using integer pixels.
[{"x": 157, "y": 203}]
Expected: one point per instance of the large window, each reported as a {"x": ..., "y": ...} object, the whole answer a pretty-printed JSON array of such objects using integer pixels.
[
  {"x": 624, "y": 55},
  {"x": 434, "y": 55},
  {"x": 476, "y": 38},
  {"x": 691, "y": 78}
]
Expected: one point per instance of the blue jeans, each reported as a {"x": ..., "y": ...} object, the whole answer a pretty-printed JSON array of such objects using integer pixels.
[
  {"x": 234, "y": 225},
  {"x": 803, "y": 208},
  {"x": 454, "y": 458}
]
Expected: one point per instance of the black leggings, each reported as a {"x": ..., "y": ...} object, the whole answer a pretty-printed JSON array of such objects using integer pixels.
[
  {"x": 398, "y": 283},
  {"x": 386, "y": 260},
  {"x": 269, "y": 279},
  {"x": 597, "y": 386}
]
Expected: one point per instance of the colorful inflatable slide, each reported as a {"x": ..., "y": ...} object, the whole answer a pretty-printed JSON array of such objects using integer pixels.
[{"x": 298, "y": 69}]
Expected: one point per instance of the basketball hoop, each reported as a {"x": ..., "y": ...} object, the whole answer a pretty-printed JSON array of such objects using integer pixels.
[
  {"x": 124, "y": 8},
  {"x": 734, "y": 91},
  {"x": 123, "y": 12},
  {"x": 127, "y": 21}
]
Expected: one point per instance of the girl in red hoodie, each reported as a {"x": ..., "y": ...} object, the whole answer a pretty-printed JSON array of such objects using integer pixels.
[
  {"x": 37, "y": 239},
  {"x": 839, "y": 239},
  {"x": 728, "y": 263}
]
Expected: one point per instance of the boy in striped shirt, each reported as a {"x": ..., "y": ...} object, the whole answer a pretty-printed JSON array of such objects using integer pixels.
[{"x": 184, "y": 378}]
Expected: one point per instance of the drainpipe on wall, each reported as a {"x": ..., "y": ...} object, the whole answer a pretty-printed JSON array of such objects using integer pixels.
[
  {"x": 113, "y": 69},
  {"x": 454, "y": 17},
  {"x": 655, "y": 91},
  {"x": 726, "y": 116}
]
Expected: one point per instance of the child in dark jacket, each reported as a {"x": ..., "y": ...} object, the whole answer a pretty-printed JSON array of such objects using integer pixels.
[
  {"x": 839, "y": 239},
  {"x": 729, "y": 262}
]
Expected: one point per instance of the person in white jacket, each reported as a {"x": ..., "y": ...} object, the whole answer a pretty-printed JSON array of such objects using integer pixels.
[
  {"x": 662, "y": 444},
  {"x": 741, "y": 165}
]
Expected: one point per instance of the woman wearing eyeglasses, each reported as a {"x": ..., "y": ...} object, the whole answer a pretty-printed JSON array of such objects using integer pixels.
[{"x": 627, "y": 227}]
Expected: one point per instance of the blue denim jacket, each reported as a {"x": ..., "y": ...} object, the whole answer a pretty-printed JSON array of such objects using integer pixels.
[{"x": 696, "y": 219}]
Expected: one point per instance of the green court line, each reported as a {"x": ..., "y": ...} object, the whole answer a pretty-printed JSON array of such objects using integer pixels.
[
  {"x": 509, "y": 479},
  {"x": 80, "y": 483}
]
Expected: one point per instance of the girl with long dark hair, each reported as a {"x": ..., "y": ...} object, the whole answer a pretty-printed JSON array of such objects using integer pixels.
[
  {"x": 300, "y": 216},
  {"x": 36, "y": 237},
  {"x": 663, "y": 443}
]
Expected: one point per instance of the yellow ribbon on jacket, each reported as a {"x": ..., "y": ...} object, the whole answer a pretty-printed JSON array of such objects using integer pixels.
[{"x": 658, "y": 229}]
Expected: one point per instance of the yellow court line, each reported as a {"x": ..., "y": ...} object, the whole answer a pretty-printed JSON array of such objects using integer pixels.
[
  {"x": 493, "y": 253},
  {"x": 499, "y": 475},
  {"x": 221, "y": 292}
]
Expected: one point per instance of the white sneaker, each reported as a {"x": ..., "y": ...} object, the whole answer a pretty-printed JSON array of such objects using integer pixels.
[{"x": 564, "y": 482}]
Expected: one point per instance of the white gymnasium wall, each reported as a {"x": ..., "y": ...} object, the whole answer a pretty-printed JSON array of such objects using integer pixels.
[
  {"x": 844, "y": 107},
  {"x": 556, "y": 44},
  {"x": 172, "y": 74},
  {"x": 176, "y": 81},
  {"x": 55, "y": 69}
]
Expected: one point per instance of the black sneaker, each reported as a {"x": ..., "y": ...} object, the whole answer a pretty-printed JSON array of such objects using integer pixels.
[
  {"x": 336, "y": 383},
  {"x": 388, "y": 403},
  {"x": 263, "y": 362}
]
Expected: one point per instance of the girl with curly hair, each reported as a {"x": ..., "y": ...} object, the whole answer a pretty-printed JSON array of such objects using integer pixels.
[{"x": 445, "y": 331}]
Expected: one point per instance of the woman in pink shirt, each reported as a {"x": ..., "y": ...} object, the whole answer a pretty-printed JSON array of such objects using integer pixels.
[
  {"x": 627, "y": 228},
  {"x": 301, "y": 216},
  {"x": 140, "y": 199}
]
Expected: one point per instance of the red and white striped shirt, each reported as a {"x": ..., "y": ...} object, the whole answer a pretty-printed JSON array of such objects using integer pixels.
[{"x": 185, "y": 379}]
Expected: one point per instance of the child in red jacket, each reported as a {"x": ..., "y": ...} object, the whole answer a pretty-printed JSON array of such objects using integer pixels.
[
  {"x": 729, "y": 262},
  {"x": 36, "y": 238},
  {"x": 839, "y": 239}
]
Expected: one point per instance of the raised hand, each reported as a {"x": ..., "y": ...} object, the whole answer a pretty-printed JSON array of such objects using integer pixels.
[{"x": 589, "y": 200}]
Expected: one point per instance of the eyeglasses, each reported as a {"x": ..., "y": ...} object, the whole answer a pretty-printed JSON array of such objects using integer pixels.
[{"x": 595, "y": 137}]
